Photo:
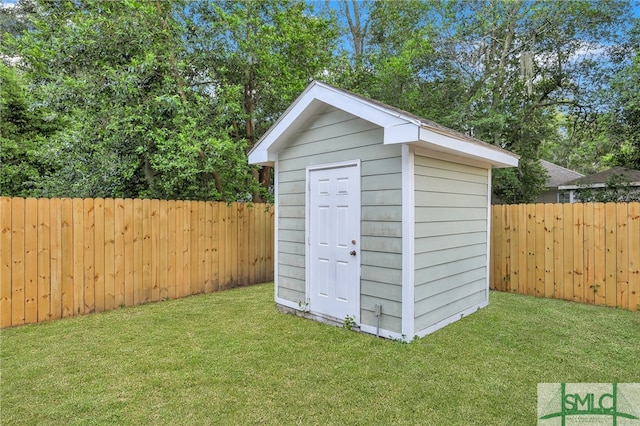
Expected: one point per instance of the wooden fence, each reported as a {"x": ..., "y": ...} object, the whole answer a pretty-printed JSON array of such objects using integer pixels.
[
  {"x": 588, "y": 253},
  {"x": 66, "y": 257}
]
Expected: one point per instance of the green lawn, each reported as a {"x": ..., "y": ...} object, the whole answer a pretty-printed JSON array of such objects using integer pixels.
[{"x": 231, "y": 358}]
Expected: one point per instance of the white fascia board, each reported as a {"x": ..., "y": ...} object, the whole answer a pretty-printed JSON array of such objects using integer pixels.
[
  {"x": 450, "y": 144},
  {"x": 401, "y": 133},
  {"x": 261, "y": 157}
]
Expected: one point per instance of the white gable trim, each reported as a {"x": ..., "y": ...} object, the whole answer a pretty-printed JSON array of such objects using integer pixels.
[
  {"x": 315, "y": 96},
  {"x": 397, "y": 127}
]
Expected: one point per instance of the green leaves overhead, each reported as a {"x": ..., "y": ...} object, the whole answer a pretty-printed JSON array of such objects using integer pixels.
[
  {"x": 497, "y": 70},
  {"x": 164, "y": 99}
]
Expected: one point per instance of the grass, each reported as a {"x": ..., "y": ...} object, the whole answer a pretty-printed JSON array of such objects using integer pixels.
[{"x": 231, "y": 358}]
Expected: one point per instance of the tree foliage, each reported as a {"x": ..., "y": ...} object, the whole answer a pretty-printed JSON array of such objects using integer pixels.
[
  {"x": 164, "y": 99},
  {"x": 259, "y": 56},
  {"x": 23, "y": 130}
]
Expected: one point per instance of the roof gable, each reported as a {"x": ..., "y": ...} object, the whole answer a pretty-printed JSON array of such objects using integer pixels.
[
  {"x": 398, "y": 127},
  {"x": 558, "y": 174}
]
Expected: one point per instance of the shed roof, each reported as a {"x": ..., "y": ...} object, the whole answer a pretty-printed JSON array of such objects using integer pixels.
[{"x": 398, "y": 127}]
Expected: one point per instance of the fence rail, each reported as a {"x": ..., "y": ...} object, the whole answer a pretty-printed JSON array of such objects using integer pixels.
[
  {"x": 588, "y": 253},
  {"x": 67, "y": 257}
]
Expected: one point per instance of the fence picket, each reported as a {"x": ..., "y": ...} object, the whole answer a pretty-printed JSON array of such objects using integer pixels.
[
  {"x": 549, "y": 278},
  {"x": 186, "y": 249},
  {"x": 262, "y": 245},
  {"x": 163, "y": 250},
  {"x": 208, "y": 251},
  {"x": 119, "y": 247},
  {"x": 17, "y": 261},
  {"x": 201, "y": 258},
  {"x": 496, "y": 250},
  {"x": 44, "y": 261},
  {"x": 179, "y": 249},
  {"x": 147, "y": 251},
  {"x": 216, "y": 264},
  {"x": 622, "y": 256},
  {"x": 578, "y": 252},
  {"x": 634, "y": 255},
  {"x": 129, "y": 257},
  {"x": 55, "y": 252},
  {"x": 558, "y": 252},
  {"x": 5, "y": 261},
  {"x": 66, "y": 258},
  {"x": 78, "y": 256},
  {"x": 155, "y": 249},
  {"x": 589, "y": 253},
  {"x": 599, "y": 248},
  {"x": 171, "y": 250},
  {"x": 610, "y": 254},
  {"x": 31, "y": 261},
  {"x": 540, "y": 251},
  {"x": 109, "y": 254},
  {"x": 89, "y": 256},
  {"x": 99, "y": 257},
  {"x": 251, "y": 268}
]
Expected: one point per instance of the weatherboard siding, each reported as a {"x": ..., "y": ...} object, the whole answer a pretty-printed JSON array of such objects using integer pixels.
[
  {"x": 450, "y": 239},
  {"x": 330, "y": 137}
]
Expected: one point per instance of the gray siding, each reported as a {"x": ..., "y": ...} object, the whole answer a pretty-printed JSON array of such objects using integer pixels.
[
  {"x": 548, "y": 196},
  {"x": 450, "y": 239},
  {"x": 336, "y": 136}
]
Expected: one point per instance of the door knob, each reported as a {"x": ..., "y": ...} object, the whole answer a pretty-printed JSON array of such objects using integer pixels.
[{"x": 352, "y": 252}]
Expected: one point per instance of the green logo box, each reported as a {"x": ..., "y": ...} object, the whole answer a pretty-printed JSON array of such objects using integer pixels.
[{"x": 566, "y": 404}]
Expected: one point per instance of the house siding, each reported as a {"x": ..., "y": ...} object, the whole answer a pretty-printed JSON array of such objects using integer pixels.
[
  {"x": 450, "y": 239},
  {"x": 335, "y": 136}
]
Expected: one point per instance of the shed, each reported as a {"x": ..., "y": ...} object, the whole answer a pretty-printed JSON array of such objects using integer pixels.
[{"x": 381, "y": 216}]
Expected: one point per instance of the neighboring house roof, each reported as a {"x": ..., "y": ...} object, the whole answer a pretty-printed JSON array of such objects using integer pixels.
[
  {"x": 398, "y": 127},
  {"x": 558, "y": 175},
  {"x": 600, "y": 179}
]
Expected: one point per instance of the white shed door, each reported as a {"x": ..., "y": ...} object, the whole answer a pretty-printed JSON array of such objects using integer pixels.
[{"x": 334, "y": 241}]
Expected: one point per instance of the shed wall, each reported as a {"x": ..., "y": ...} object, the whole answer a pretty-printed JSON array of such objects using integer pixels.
[
  {"x": 450, "y": 239},
  {"x": 336, "y": 136}
]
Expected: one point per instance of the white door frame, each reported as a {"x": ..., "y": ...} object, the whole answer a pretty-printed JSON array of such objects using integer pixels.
[{"x": 309, "y": 169}]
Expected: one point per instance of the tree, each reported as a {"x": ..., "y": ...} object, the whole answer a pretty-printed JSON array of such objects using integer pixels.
[
  {"x": 135, "y": 126},
  {"x": 258, "y": 57},
  {"x": 624, "y": 117},
  {"x": 22, "y": 130},
  {"x": 499, "y": 71}
]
